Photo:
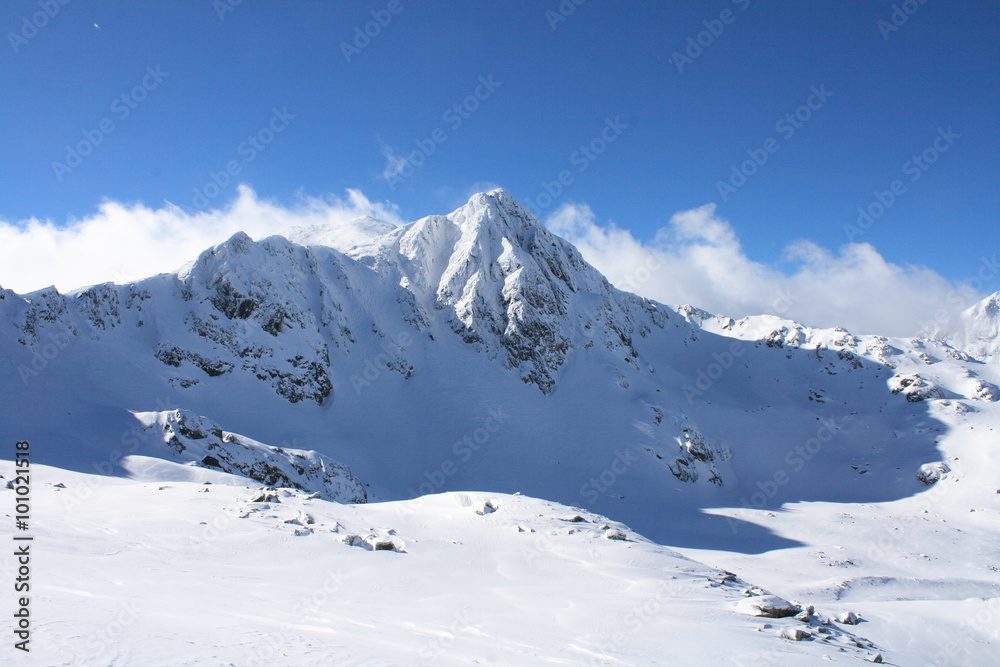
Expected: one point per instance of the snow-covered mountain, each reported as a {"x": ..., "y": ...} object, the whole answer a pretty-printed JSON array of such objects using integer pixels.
[
  {"x": 979, "y": 329},
  {"x": 478, "y": 352}
]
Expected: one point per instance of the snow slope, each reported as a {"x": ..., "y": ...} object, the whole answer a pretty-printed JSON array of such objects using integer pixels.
[
  {"x": 478, "y": 352},
  {"x": 187, "y": 573}
]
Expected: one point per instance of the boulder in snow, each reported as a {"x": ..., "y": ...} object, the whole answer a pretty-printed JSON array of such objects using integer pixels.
[
  {"x": 914, "y": 387},
  {"x": 847, "y": 618},
  {"x": 795, "y": 634},
  {"x": 769, "y": 606},
  {"x": 930, "y": 473}
]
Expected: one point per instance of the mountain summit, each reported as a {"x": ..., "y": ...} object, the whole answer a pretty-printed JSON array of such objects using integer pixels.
[
  {"x": 501, "y": 280},
  {"x": 979, "y": 329}
]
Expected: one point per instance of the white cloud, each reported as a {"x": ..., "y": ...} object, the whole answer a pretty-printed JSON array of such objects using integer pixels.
[
  {"x": 394, "y": 163},
  {"x": 697, "y": 259},
  {"x": 123, "y": 242}
]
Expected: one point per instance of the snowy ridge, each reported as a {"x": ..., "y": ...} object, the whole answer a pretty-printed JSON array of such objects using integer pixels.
[{"x": 911, "y": 353}]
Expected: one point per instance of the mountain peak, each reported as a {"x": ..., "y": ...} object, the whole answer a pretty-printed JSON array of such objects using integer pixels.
[
  {"x": 988, "y": 306},
  {"x": 237, "y": 244},
  {"x": 978, "y": 331},
  {"x": 497, "y": 195},
  {"x": 495, "y": 208}
]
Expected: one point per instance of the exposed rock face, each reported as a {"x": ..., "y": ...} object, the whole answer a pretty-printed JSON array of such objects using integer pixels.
[
  {"x": 930, "y": 473},
  {"x": 697, "y": 457},
  {"x": 914, "y": 387},
  {"x": 198, "y": 441},
  {"x": 686, "y": 452}
]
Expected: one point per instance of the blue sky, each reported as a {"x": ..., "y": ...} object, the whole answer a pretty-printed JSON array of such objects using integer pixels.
[{"x": 225, "y": 73}]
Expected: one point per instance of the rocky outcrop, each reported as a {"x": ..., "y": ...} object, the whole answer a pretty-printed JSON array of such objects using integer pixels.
[
  {"x": 914, "y": 387},
  {"x": 198, "y": 441}
]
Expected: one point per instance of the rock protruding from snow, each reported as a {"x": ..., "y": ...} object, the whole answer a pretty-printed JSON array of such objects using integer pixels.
[
  {"x": 847, "y": 618},
  {"x": 795, "y": 634},
  {"x": 986, "y": 391},
  {"x": 198, "y": 441},
  {"x": 930, "y": 473},
  {"x": 697, "y": 457},
  {"x": 914, "y": 387},
  {"x": 768, "y": 606},
  {"x": 265, "y": 496},
  {"x": 488, "y": 507}
]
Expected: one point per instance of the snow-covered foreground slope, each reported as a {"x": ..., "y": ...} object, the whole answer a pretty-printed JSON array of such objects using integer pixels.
[
  {"x": 477, "y": 352},
  {"x": 187, "y": 573}
]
